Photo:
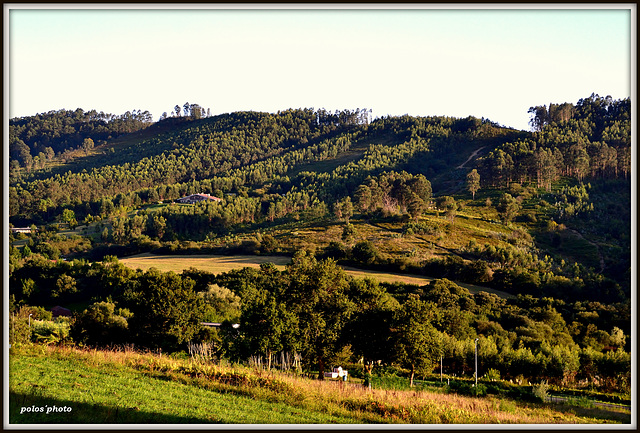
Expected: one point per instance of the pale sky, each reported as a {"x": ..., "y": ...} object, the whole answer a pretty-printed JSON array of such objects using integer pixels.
[{"x": 423, "y": 62}]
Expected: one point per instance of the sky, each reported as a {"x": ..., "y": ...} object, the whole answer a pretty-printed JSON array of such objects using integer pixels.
[{"x": 491, "y": 63}]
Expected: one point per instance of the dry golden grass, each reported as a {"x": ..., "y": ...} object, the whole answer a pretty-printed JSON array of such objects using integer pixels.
[
  {"x": 218, "y": 264},
  {"x": 334, "y": 397}
]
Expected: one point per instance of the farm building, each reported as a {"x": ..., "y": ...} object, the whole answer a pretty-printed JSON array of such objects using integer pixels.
[
  {"x": 196, "y": 198},
  {"x": 58, "y": 311},
  {"x": 21, "y": 229}
]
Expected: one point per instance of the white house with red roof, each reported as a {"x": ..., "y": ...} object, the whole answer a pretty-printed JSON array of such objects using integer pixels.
[{"x": 197, "y": 198}]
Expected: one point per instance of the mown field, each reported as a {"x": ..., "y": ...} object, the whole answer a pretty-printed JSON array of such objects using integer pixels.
[
  {"x": 66, "y": 385},
  {"x": 217, "y": 264}
]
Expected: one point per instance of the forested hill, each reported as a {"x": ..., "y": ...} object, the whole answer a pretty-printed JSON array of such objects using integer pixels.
[
  {"x": 245, "y": 149},
  {"x": 536, "y": 212}
]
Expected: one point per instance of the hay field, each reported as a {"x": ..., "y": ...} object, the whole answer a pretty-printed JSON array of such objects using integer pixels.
[{"x": 218, "y": 264}]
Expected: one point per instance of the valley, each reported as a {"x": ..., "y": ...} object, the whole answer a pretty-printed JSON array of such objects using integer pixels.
[{"x": 401, "y": 248}]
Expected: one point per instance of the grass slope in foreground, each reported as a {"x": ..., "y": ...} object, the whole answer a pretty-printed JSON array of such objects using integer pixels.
[{"x": 127, "y": 387}]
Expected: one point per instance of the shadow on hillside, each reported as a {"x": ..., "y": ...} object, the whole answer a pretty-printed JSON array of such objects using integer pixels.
[{"x": 87, "y": 413}]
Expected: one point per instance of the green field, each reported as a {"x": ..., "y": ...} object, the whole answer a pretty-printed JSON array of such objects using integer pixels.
[
  {"x": 217, "y": 264},
  {"x": 75, "y": 386}
]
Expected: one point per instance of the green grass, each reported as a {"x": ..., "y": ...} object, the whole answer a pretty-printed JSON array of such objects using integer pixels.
[
  {"x": 127, "y": 387},
  {"x": 106, "y": 392}
]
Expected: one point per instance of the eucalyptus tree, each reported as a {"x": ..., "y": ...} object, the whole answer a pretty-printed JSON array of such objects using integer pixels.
[{"x": 473, "y": 182}]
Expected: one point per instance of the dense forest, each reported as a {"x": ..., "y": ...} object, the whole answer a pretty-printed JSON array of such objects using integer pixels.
[{"x": 542, "y": 215}]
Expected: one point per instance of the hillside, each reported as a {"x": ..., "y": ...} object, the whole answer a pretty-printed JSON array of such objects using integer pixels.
[
  {"x": 90, "y": 387},
  {"x": 285, "y": 173},
  {"x": 464, "y": 209}
]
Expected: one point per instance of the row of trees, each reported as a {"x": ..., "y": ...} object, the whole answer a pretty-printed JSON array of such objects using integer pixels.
[
  {"x": 191, "y": 111},
  {"x": 591, "y": 139},
  {"x": 244, "y": 149},
  {"x": 227, "y": 152},
  {"x": 525, "y": 162},
  {"x": 37, "y": 139},
  {"x": 314, "y": 309},
  {"x": 599, "y": 111},
  {"x": 394, "y": 191}
]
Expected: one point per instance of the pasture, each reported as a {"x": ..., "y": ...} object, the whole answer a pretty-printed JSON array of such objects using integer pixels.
[{"x": 217, "y": 264}]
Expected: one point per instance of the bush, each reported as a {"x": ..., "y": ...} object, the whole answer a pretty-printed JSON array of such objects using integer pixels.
[
  {"x": 48, "y": 332},
  {"x": 364, "y": 252},
  {"x": 421, "y": 228},
  {"x": 100, "y": 325},
  {"x": 348, "y": 232},
  {"x": 541, "y": 390},
  {"x": 19, "y": 330},
  {"x": 334, "y": 250},
  {"x": 38, "y": 313},
  {"x": 492, "y": 375}
]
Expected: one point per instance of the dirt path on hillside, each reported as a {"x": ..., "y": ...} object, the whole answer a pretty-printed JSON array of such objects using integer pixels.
[{"x": 473, "y": 155}]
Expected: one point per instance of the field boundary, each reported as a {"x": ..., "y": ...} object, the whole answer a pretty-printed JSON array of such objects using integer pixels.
[{"x": 222, "y": 263}]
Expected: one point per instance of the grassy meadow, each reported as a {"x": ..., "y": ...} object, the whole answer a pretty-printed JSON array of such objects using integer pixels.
[
  {"x": 217, "y": 264},
  {"x": 83, "y": 386}
]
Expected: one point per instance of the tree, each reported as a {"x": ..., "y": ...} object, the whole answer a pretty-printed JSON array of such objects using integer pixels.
[
  {"x": 369, "y": 330},
  {"x": 577, "y": 160},
  {"x": 87, "y": 145},
  {"x": 560, "y": 112},
  {"x": 101, "y": 325},
  {"x": 508, "y": 207},
  {"x": 69, "y": 217},
  {"x": 65, "y": 286},
  {"x": 364, "y": 199},
  {"x": 364, "y": 252},
  {"x": 158, "y": 226},
  {"x": 344, "y": 209},
  {"x": 166, "y": 309},
  {"x": 266, "y": 323},
  {"x": 223, "y": 303},
  {"x": 539, "y": 117},
  {"x": 45, "y": 205},
  {"x": 317, "y": 295},
  {"x": 473, "y": 182},
  {"x": 417, "y": 343},
  {"x": 449, "y": 205},
  {"x": 416, "y": 206}
]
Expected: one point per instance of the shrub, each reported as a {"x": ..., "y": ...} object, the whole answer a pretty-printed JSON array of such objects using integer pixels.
[
  {"x": 541, "y": 390},
  {"x": 421, "y": 228},
  {"x": 334, "y": 250},
  {"x": 19, "y": 330},
  {"x": 48, "y": 332},
  {"x": 364, "y": 252},
  {"x": 349, "y": 232},
  {"x": 38, "y": 313},
  {"x": 100, "y": 325},
  {"x": 492, "y": 375}
]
